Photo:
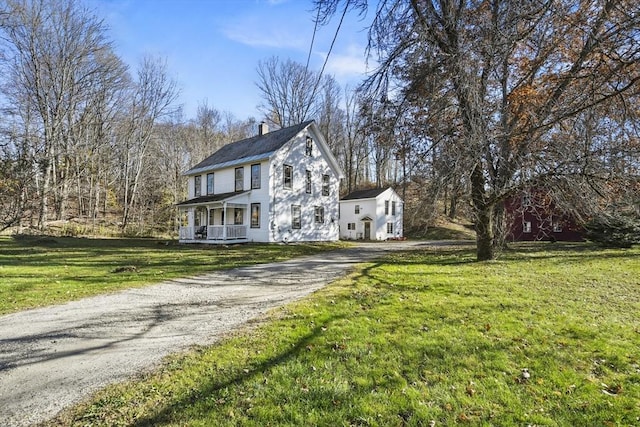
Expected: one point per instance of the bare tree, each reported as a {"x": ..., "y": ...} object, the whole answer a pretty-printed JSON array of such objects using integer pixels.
[
  {"x": 60, "y": 51},
  {"x": 154, "y": 93},
  {"x": 513, "y": 75},
  {"x": 289, "y": 91}
]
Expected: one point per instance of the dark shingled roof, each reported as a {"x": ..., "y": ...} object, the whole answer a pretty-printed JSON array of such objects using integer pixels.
[
  {"x": 211, "y": 198},
  {"x": 252, "y": 147},
  {"x": 364, "y": 194}
]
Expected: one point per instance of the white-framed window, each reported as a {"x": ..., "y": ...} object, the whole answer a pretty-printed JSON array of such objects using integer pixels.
[
  {"x": 526, "y": 200},
  {"x": 357, "y": 209},
  {"x": 238, "y": 216},
  {"x": 239, "y": 178},
  {"x": 557, "y": 227},
  {"x": 319, "y": 214},
  {"x": 255, "y": 176},
  {"x": 308, "y": 150},
  {"x": 393, "y": 207},
  {"x": 389, "y": 228},
  {"x": 296, "y": 217},
  {"x": 197, "y": 185},
  {"x": 287, "y": 176},
  {"x": 255, "y": 215},
  {"x": 209, "y": 183},
  {"x": 325, "y": 185},
  {"x": 386, "y": 207},
  {"x": 351, "y": 226},
  {"x": 526, "y": 227},
  {"x": 308, "y": 183}
]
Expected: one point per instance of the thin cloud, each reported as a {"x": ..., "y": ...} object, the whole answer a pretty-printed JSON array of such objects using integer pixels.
[
  {"x": 259, "y": 36},
  {"x": 351, "y": 63}
]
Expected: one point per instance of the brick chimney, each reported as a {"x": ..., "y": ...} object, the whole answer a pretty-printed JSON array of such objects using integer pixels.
[{"x": 263, "y": 128}]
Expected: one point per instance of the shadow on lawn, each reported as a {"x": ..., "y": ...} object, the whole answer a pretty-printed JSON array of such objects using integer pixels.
[{"x": 164, "y": 415}]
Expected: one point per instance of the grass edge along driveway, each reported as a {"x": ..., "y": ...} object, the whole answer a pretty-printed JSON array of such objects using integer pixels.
[
  {"x": 40, "y": 271},
  {"x": 420, "y": 338}
]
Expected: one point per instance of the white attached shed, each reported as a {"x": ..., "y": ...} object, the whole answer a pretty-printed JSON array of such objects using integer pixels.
[{"x": 374, "y": 214}]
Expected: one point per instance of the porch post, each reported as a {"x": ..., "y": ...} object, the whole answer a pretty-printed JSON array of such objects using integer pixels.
[
  {"x": 207, "y": 222},
  {"x": 224, "y": 220}
]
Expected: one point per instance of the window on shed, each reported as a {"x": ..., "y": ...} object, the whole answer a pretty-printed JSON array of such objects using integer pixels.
[
  {"x": 526, "y": 227},
  {"x": 357, "y": 209},
  {"x": 351, "y": 226}
]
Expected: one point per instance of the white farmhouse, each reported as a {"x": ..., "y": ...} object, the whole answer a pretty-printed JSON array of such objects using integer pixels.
[
  {"x": 279, "y": 186},
  {"x": 374, "y": 214}
]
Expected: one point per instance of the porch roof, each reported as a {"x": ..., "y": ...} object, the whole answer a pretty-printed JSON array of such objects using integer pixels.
[{"x": 222, "y": 197}]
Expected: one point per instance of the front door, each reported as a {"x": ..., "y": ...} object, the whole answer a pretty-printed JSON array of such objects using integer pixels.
[{"x": 367, "y": 230}]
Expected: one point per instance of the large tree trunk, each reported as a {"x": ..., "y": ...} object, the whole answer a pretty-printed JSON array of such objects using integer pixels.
[{"x": 484, "y": 217}]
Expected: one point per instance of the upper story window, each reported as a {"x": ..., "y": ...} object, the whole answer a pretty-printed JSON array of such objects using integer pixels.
[
  {"x": 393, "y": 208},
  {"x": 357, "y": 210},
  {"x": 386, "y": 207},
  {"x": 197, "y": 185},
  {"x": 239, "y": 179},
  {"x": 308, "y": 183},
  {"x": 255, "y": 176},
  {"x": 209, "y": 183},
  {"x": 309, "y": 147},
  {"x": 325, "y": 185},
  {"x": 287, "y": 176}
]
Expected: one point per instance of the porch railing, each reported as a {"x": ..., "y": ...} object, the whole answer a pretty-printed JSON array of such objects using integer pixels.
[
  {"x": 187, "y": 233},
  {"x": 215, "y": 232}
]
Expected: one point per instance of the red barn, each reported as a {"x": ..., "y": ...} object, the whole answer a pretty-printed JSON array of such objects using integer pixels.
[{"x": 534, "y": 216}]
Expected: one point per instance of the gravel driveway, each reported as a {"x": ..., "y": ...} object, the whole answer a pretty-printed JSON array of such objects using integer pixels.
[{"x": 53, "y": 357}]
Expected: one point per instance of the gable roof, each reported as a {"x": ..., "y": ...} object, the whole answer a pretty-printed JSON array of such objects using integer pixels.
[
  {"x": 256, "y": 148},
  {"x": 364, "y": 194}
]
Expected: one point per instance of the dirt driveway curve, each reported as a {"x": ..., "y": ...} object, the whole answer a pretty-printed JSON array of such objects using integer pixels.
[{"x": 53, "y": 357}]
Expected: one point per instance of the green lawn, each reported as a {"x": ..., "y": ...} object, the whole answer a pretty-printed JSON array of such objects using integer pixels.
[
  {"x": 421, "y": 338},
  {"x": 38, "y": 271}
]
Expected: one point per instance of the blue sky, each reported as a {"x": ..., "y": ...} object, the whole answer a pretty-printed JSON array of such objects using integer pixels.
[{"x": 212, "y": 47}]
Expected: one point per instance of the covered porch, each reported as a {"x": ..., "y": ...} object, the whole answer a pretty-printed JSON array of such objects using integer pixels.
[{"x": 216, "y": 219}]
